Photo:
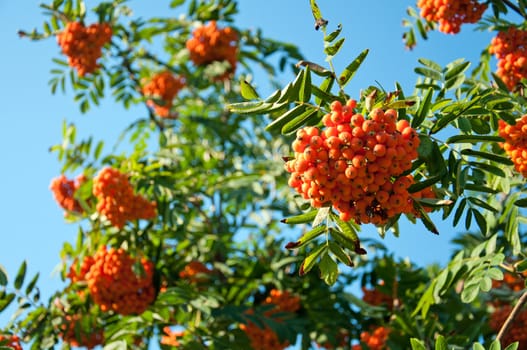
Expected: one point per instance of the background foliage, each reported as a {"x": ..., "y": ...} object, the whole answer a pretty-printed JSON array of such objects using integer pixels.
[{"x": 215, "y": 172}]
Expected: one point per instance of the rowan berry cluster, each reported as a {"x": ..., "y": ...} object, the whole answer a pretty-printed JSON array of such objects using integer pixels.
[
  {"x": 114, "y": 283},
  {"x": 510, "y": 49},
  {"x": 377, "y": 298},
  {"x": 170, "y": 337},
  {"x": 516, "y": 332},
  {"x": 210, "y": 43},
  {"x": 342, "y": 340},
  {"x": 79, "y": 275},
  {"x": 515, "y": 144},
  {"x": 284, "y": 301},
  {"x": 451, "y": 14},
  {"x": 64, "y": 189},
  {"x": 375, "y": 340},
  {"x": 83, "y": 45},
  {"x": 117, "y": 201},
  {"x": 265, "y": 338},
  {"x": 195, "y": 272},
  {"x": 513, "y": 282},
  {"x": 356, "y": 163},
  {"x": 79, "y": 331},
  {"x": 161, "y": 90},
  {"x": 11, "y": 341}
]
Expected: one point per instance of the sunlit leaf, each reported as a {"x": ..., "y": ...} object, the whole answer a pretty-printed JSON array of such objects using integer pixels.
[
  {"x": 247, "y": 90},
  {"x": 302, "y": 218},
  {"x": 349, "y": 72},
  {"x": 307, "y": 237},
  {"x": 329, "y": 270},
  {"x": 311, "y": 260}
]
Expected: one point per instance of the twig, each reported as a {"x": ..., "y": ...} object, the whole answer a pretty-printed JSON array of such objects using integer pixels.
[{"x": 515, "y": 311}]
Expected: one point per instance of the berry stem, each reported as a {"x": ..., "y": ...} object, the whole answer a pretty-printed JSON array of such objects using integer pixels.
[{"x": 510, "y": 319}]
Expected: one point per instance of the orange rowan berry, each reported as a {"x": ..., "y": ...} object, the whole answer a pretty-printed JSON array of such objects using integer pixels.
[
  {"x": 209, "y": 43},
  {"x": 364, "y": 157},
  {"x": 515, "y": 144},
  {"x": 375, "y": 340},
  {"x": 451, "y": 14},
  {"x": 116, "y": 198},
  {"x": 79, "y": 275},
  {"x": 511, "y": 52},
  {"x": 83, "y": 45},
  {"x": 160, "y": 92},
  {"x": 265, "y": 338},
  {"x": 195, "y": 272},
  {"x": 170, "y": 337},
  {"x": 64, "y": 192},
  {"x": 114, "y": 283},
  {"x": 12, "y": 341},
  {"x": 81, "y": 331}
]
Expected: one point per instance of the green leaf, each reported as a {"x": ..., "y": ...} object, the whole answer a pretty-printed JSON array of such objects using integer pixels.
[
  {"x": 6, "y": 301},
  {"x": 426, "y": 219},
  {"x": 456, "y": 69},
  {"x": 315, "y": 10},
  {"x": 307, "y": 237},
  {"x": 499, "y": 82},
  {"x": 480, "y": 203},
  {"x": 311, "y": 260},
  {"x": 301, "y": 219},
  {"x": 247, "y": 90},
  {"x": 282, "y": 120},
  {"x": 304, "y": 93},
  {"x": 418, "y": 186},
  {"x": 341, "y": 255},
  {"x": 349, "y": 72},
  {"x": 332, "y": 50},
  {"x": 116, "y": 345},
  {"x": 249, "y": 107},
  {"x": 482, "y": 223},
  {"x": 296, "y": 123},
  {"x": 473, "y": 139},
  {"x": 417, "y": 344},
  {"x": 477, "y": 346},
  {"x": 399, "y": 104},
  {"x": 488, "y": 156},
  {"x": 522, "y": 203},
  {"x": 176, "y": 3},
  {"x": 424, "y": 108},
  {"x": 329, "y": 270},
  {"x": 513, "y": 346},
  {"x": 32, "y": 284},
  {"x": 3, "y": 276},
  {"x": 333, "y": 35},
  {"x": 21, "y": 274},
  {"x": 470, "y": 291},
  {"x": 488, "y": 168},
  {"x": 429, "y": 73},
  {"x": 315, "y": 68},
  {"x": 495, "y": 345},
  {"x": 430, "y": 64},
  {"x": 441, "y": 343},
  {"x": 348, "y": 233},
  {"x": 495, "y": 273}
]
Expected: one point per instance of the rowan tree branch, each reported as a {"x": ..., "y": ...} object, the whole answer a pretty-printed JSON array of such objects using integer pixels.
[{"x": 510, "y": 319}]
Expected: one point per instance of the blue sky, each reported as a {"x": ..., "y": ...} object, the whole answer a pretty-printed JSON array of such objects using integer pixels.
[{"x": 31, "y": 224}]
